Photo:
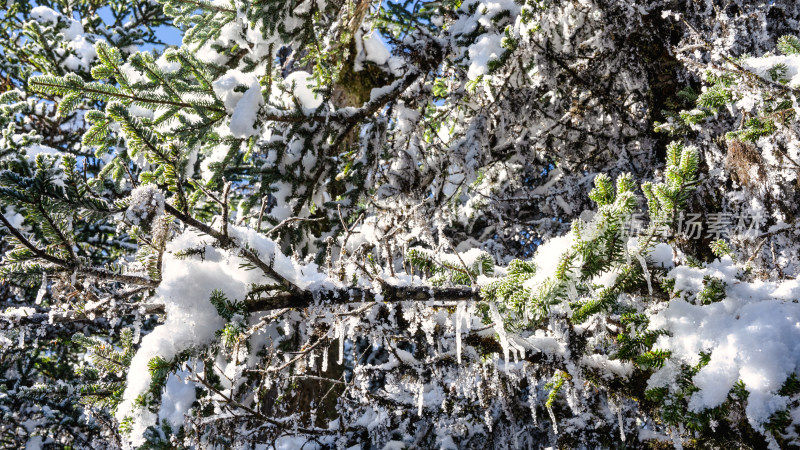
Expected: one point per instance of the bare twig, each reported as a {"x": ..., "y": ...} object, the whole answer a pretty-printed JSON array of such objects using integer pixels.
[
  {"x": 287, "y": 222},
  {"x": 226, "y": 190},
  {"x": 261, "y": 212}
]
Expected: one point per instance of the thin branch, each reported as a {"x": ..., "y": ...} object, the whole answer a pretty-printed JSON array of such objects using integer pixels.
[
  {"x": 288, "y": 221},
  {"x": 226, "y": 190},
  {"x": 312, "y": 377},
  {"x": 40, "y": 253},
  {"x": 64, "y": 241},
  {"x": 105, "y": 274},
  {"x": 261, "y": 212}
]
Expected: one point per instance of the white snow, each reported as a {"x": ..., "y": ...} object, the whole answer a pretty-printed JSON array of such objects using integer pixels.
[
  {"x": 34, "y": 443},
  {"x": 485, "y": 49},
  {"x": 34, "y": 149},
  {"x": 753, "y": 335},
  {"x": 487, "y": 46},
  {"x": 147, "y": 202},
  {"x": 45, "y": 15},
  {"x": 608, "y": 366},
  {"x": 77, "y": 43},
  {"x": 375, "y": 49},
  {"x": 547, "y": 258},
  {"x": 661, "y": 256},
  {"x": 300, "y": 84},
  {"x": 761, "y": 66},
  {"x": 216, "y": 155},
  {"x": 224, "y": 87},
  {"x": 243, "y": 119},
  {"x": 16, "y": 219},
  {"x": 20, "y": 311}
]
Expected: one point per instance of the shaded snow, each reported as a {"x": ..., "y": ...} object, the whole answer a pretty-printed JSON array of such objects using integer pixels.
[{"x": 177, "y": 400}]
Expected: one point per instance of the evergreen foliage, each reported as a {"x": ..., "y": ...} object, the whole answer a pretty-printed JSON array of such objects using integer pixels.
[{"x": 433, "y": 224}]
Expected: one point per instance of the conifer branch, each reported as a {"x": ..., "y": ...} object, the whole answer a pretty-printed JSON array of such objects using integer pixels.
[
  {"x": 74, "y": 266},
  {"x": 61, "y": 237},
  {"x": 36, "y": 251},
  {"x": 388, "y": 294},
  {"x": 105, "y": 274},
  {"x": 209, "y": 6},
  {"x": 41, "y": 84}
]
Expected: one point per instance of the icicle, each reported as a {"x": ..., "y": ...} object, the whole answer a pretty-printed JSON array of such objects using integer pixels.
[
  {"x": 340, "y": 332},
  {"x": 645, "y": 272},
  {"x": 325, "y": 359},
  {"x": 572, "y": 399},
  {"x": 553, "y": 419},
  {"x": 137, "y": 329},
  {"x": 676, "y": 439},
  {"x": 459, "y": 317},
  {"x": 627, "y": 254},
  {"x": 487, "y": 417},
  {"x": 501, "y": 331},
  {"x": 519, "y": 351},
  {"x": 613, "y": 404},
  {"x": 572, "y": 291},
  {"x": 287, "y": 328},
  {"x": 420, "y": 399},
  {"x": 312, "y": 359},
  {"x": 533, "y": 385},
  {"x": 42, "y": 290}
]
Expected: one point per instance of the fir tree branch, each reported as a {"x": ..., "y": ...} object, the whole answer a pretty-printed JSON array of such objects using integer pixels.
[
  {"x": 36, "y": 251},
  {"x": 64, "y": 241},
  {"x": 105, "y": 274},
  {"x": 286, "y": 222},
  {"x": 67, "y": 266},
  {"x": 36, "y": 82},
  {"x": 209, "y": 6},
  {"x": 70, "y": 316},
  {"x": 738, "y": 67},
  {"x": 388, "y": 294}
]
